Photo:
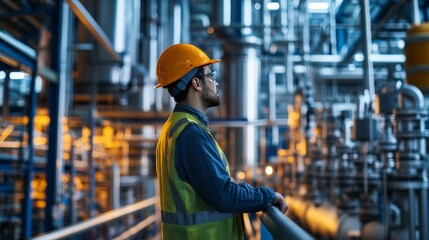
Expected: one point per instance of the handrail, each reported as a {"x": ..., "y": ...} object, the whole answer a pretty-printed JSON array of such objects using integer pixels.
[
  {"x": 99, "y": 220},
  {"x": 137, "y": 228},
  {"x": 281, "y": 227}
]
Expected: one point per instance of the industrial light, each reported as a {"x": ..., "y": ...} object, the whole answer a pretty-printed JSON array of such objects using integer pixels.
[
  {"x": 352, "y": 67},
  {"x": 241, "y": 175},
  {"x": 358, "y": 57},
  {"x": 401, "y": 44},
  {"x": 318, "y": 7},
  {"x": 273, "y": 6},
  {"x": 2, "y": 75},
  {"x": 17, "y": 75},
  {"x": 269, "y": 170}
]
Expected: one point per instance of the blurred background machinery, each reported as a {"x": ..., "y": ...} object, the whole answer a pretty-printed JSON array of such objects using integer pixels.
[{"x": 324, "y": 100}]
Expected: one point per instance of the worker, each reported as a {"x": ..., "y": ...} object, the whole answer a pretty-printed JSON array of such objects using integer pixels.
[{"x": 198, "y": 198}]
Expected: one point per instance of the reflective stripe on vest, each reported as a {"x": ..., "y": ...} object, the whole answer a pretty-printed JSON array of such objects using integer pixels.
[
  {"x": 194, "y": 218},
  {"x": 180, "y": 217}
]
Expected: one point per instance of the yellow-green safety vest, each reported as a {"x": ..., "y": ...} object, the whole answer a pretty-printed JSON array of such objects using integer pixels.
[{"x": 184, "y": 214}]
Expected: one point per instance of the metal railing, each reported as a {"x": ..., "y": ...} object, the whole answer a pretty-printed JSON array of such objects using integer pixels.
[
  {"x": 102, "y": 219},
  {"x": 281, "y": 227}
]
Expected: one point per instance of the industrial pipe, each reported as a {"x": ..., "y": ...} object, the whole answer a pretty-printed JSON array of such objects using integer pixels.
[
  {"x": 415, "y": 95},
  {"x": 282, "y": 227},
  {"x": 324, "y": 221}
]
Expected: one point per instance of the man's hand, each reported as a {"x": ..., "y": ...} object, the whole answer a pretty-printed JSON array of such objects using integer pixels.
[{"x": 280, "y": 203}]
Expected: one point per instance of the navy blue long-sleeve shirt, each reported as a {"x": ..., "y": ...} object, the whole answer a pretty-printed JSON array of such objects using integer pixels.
[{"x": 198, "y": 162}]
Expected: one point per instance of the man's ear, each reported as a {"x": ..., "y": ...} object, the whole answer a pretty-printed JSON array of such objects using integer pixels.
[{"x": 196, "y": 83}]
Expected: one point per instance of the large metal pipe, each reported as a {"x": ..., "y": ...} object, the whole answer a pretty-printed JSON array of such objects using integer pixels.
[
  {"x": 323, "y": 221},
  {"x": 119, "y": 20},
  {"x": 241, "y": 75},
  {"x": 281, "y": 227},
  {"x": 241, "y": 70}
]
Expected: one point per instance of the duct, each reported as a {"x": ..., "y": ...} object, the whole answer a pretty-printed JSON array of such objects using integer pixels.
[{"x": 124, "y": 35}]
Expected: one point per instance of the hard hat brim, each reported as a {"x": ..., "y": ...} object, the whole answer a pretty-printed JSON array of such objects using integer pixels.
[{"x": 212, "y": 61}]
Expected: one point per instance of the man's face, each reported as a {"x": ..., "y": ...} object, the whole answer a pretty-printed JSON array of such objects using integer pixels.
[{"x": 210, "y": 93}]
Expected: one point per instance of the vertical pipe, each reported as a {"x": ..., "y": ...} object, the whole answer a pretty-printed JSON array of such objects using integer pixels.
[
  {"x": 57, "y": 92},
  {"x": 266, "y": 19},
  {"x": 386, "y": 203},
  {"x": 365, "y": 168},
  {"x": 290, "y": 47},
  {"x": 366, "y": 46},
  {"x": 164, "y": 40},
  {"x": 5, "y": 108},
  {"x": 115, "y": 187},
  {"x": 149, "y": 54},
  {"x": 29, "y": 171},
  {"x": 332, "y": 27},
  {"x": 186, "y": 21},
  {"x": 272, "y": 105},
  {"x": 242, "y": 63},
  {"x": 91, "y": 165},
  {"x": 92, "y": 125},
  {"x": 367, "y": 63},
  {"x": 415, "y": 12},
  {"x": 306, "y": 33},
  {"x": 424, "y": 214},
  {"x": 284, "y": 14},
  {"x": 411, "y": 215},
  {"x": 72, "y": 206}
]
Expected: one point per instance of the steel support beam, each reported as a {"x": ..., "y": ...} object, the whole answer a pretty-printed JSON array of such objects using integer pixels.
[
  {"x": 97, "y": 32},
  {"x": 27, "y": 212},
  {"x": 57, "y": 94}
]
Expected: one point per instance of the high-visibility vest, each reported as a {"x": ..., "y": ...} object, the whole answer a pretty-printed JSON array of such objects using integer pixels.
[{"x": 184, "y": 214}]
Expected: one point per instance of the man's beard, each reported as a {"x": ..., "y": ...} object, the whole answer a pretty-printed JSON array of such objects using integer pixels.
[{"x": 210, "y": 99}]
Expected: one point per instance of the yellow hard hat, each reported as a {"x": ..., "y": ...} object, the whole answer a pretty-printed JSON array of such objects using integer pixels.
[{"x": 179, "y": 60}]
